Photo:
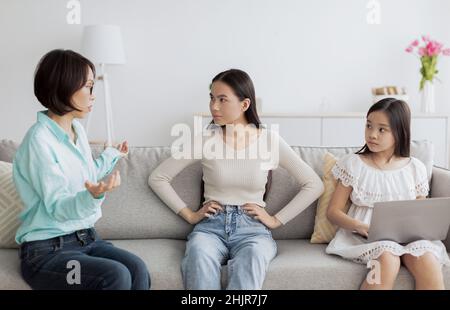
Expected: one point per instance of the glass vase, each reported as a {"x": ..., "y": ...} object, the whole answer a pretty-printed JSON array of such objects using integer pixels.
[{"x": 427, "y": 98}]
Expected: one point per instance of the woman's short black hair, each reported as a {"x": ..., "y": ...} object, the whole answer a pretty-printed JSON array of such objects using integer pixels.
[{"x": 59, "y": 74}]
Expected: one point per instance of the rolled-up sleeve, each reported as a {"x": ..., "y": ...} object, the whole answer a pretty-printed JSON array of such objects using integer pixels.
[{"x": 106, "y": 162}]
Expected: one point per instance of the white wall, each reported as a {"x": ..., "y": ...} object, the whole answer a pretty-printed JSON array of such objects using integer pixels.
[{"x": 298, "y": 53}]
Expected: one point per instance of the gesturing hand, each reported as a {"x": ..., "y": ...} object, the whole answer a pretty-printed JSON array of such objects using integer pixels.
[
  {"x": 123, "y": 148},
  {"x": 100, "y": 188},
  {"x": 260, "y": 214}
]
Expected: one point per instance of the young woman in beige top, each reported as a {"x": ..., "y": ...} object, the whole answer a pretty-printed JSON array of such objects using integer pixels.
[{"x": 232, "y": 224}]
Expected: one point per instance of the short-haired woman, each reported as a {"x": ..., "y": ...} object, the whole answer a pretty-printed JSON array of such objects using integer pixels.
[{"x": 58, "y": 182}]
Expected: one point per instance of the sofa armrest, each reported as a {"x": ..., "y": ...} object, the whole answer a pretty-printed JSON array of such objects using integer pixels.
[{"x": 440, "y": 187}]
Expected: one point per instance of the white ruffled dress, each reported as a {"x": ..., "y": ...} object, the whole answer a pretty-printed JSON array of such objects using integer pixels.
[{"x": 372, "y": 185}]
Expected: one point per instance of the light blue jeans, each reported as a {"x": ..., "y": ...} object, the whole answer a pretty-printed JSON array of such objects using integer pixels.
[{"x": 232, "y": 236}]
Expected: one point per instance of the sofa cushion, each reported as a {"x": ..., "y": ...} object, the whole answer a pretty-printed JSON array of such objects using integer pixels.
[
  {"x": 313, "y": 156},
  {"x": 10, "y": 207},
  {"x": 324, "y": 230},
  {"x": 7, "y": 150},
  {"x": 163, "y": 259},
  {"x": 134, "y": 211},
  {"x": 424, "y": 150},
  {"x": 10, "y": 277},
  {"x": 301, "y": 265},
  {"x": 298, "y": 265},
  {"x": 284, "y": 186}
]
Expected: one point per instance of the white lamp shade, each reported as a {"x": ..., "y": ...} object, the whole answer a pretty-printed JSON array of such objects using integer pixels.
[{"x": 102, "y": 44}]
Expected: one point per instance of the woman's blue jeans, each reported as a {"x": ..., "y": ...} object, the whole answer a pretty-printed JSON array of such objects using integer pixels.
[
  {"x": 232, "y": 236},
  {"x": 81, "y": 260}
]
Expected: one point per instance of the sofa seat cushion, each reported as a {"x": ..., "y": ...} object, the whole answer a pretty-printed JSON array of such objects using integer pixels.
[
  {"x": 10, "y": 277},
  {"x": 163, "y": 258},
  {"x": 298, "y": 265},
  {"x": 302, "y": 265}
]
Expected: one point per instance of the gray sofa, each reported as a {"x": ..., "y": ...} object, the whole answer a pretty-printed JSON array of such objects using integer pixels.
[{"x": 135, "y": 219}]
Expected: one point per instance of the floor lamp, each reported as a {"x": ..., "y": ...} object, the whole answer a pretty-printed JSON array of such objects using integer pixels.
[{"x": 102, "y": 44}]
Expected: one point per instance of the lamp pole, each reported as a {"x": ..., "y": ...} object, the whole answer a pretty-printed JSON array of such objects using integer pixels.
[
  {"x": 103, "y": 45},
  {"x": 108, "y": 107}
]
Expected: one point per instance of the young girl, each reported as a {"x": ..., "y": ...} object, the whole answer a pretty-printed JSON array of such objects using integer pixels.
[
  {"x": 233, "y": 225},
  {"x": 383, "y": 170},
  {"x": 57, "y": 180}
]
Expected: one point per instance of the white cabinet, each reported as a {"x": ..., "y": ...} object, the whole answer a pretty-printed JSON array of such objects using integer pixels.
[
  {"x": 348, "y": 130},
  {"x": 296, "y": 131},
  {"x": 343, "y": 131}
]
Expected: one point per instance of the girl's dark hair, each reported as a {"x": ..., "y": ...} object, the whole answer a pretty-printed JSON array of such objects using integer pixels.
[
  {"x": 59, "y": 74},
  {"x": 399, "y": 116},
  {"x": 242, "y": 86}
]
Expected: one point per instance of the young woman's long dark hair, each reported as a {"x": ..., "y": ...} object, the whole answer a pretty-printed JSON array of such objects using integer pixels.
[
  {"x": 399, "y": 116},
  {"x": 242, "y": 86}
]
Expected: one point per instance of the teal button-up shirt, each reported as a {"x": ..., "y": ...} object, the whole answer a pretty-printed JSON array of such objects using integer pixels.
[{"x": 49, "y": 172}]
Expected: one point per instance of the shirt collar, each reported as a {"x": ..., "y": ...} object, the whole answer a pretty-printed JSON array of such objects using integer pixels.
[{"x": 43, "y": 118}]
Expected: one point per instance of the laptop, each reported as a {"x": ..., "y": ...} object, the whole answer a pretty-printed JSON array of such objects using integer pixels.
[{"x": 410, "y": 220}]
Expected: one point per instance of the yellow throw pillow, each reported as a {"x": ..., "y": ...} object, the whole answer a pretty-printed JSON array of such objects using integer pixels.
[
  {"x": 10, "y": 207},
  {"x": 324, "y": 231}
]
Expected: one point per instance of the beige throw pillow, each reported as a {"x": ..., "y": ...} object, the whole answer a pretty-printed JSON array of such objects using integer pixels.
[
  {"x": 10, "y": 207},
  {"x": 324, "y": 231}
]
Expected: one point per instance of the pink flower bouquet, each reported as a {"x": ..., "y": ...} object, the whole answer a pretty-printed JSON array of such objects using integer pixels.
[{"x": 428, "y": 53}]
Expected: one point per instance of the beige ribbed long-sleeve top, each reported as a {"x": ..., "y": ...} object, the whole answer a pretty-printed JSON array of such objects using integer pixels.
[{"x": 240, "y": 176}]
